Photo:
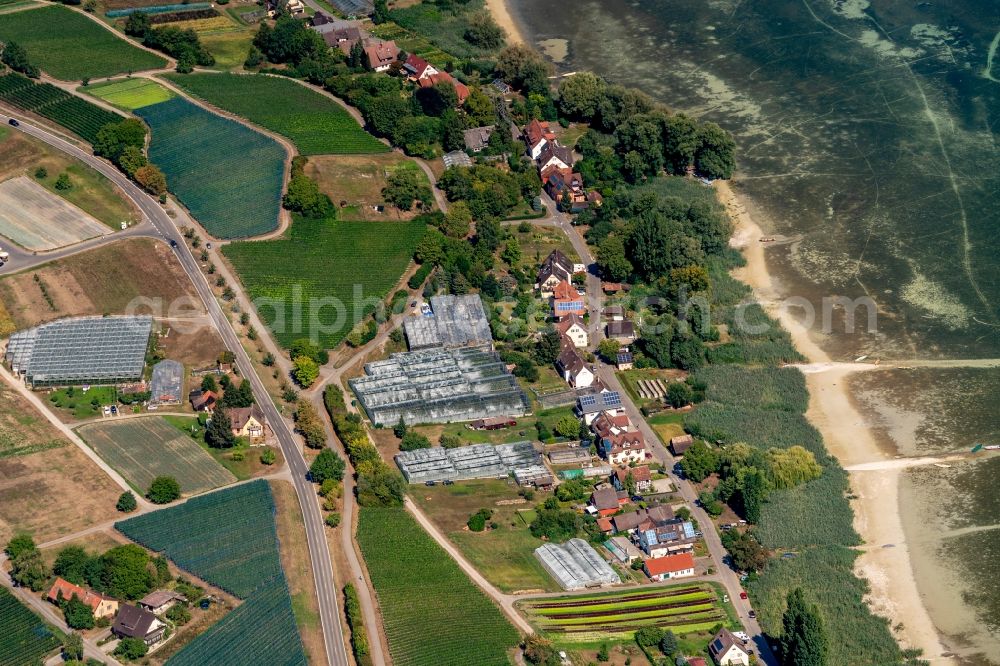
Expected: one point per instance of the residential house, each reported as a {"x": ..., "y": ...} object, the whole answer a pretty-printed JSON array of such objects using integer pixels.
[
  {"x": 614, "y": 313},
  {"x": 344, "y": 37},
  {"x": 607, "y": 500},
  {"x": 680, "y": 444},
  {"x": 555, "y": 269},
  {"x": 203, "y": 401},
  {"x": 624, "y": 447},
  {"x": 561, "y": 184},
  {"x": 537, "y": 135},
  {"x": 573, "y": 329},
  {"x": 665, "y": 539},
  {"x": 727, "y": 650},
  {"x": 555, "y": 156},
  {"x": 426, "y": 75},
  {"x": 622, "y": 331},
  {"x": 573, "y": 368},
  {"x": 380, "y": 54},
  {"x": 477, "y": 138},
  {"x": 624, "y": 360},
  {"x": 160, "y": 601},
  {"x": 134, "y": 622},
  {"x": 671, "y": 566},
  {"x": 247, "y": 421},
  {"x": 100, "y": 605},
  {"x": 566, "y": 300},
  {"x": 696, "y": 661},
  {"x": 417, "y": 68},
  {"x": 627, "y": 523},
  {"x": 592, "y": 405},
  {"x": 640, "y": 475}
]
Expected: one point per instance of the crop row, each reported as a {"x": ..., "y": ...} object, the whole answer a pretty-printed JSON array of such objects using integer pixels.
[
  {"x": 23, "y": 637},
  {"x": 678, "y": 626},
  {"x": 573, "y": 602},
  {"x": 75, "y": 114},
  {"x": 624, "y": 609},
  {"x": 628, "y": 615}
]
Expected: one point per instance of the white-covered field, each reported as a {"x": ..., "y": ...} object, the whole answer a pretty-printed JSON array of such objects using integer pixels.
[{"x": 37, "y": 219}]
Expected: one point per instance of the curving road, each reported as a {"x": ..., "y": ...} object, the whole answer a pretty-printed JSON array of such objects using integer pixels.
[{"x": 162, "y": 226}]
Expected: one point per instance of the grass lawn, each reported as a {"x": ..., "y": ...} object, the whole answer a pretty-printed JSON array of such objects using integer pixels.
[
  {"x": 356, "y": 182},
  {"x": 69, "y": 46},
  {"x": 315, "y": 123},
  {"x": 142, "y": 449},
  {"x": 242, "y": 461},
  {"x": 84, "y": 404},
  {"x": 539, "y": 243},
  {"x": 129, "y": 94},
  {"x": 229, "y": 48},
  {"x": 667, "y": 425},
  {"x": 432, "y": 612},
  {"x": 504, "y": 555},
  {"x": 92, "y": 192},
  {"x": 337, "y": 268}
]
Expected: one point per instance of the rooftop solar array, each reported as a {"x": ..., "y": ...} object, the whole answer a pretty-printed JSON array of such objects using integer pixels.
[
  {"x": 456, "y": 321},
  {"x": 439, "y": 386},
  {"x": 575, "y": 565},
  {"x": 479, "y": 461},
  {"x": 598, "y": 402},
  {"x": 81, "y": 350}
]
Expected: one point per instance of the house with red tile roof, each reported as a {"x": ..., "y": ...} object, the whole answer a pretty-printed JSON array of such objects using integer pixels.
[
  {"x": 101, "y": 605},
  {"x": 380, "y": 54},
  {"x": 566, "y": 300},
  {"x": 671, "y": 566},
  {"x": 640, "y": 475},
  {"x": 607, "y": 500},
  {"x": 426, "y": 75},
  {"x": 537, "y": 135}
]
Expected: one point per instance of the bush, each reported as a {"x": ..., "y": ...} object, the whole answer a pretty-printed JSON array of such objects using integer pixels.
[
  {"x": 126, "y": 502},
  {"x": 268, "y": 456},
  {"x": 327, "y": 465},
  {"x": 131, "y": 648},
  {"x": 163, "y": 490},
  {"x": 414, "y": 440},
  {"x": 477, "y": 522},
  {"x": 332, "y": 519},
  {"x": 179, "y": 614}
]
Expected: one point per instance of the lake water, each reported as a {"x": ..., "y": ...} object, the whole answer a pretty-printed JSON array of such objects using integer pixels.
[{"x": 868, "y": 145}]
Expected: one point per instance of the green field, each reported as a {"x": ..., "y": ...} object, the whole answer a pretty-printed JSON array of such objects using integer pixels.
[
  {"x": 433, "y": 613},
  {"x": 81, "y": 403},
  {"x": 73, "y": 113},
  {"x": 228, "y": 176},
  {"x": 130, "y": 94},
  {"x": 24, "y": 638},
  {"x": 332, "y": 262},
  {"x": 142, "y": 449},
  {"x": 316, "y": 124},
  {"x": 682, "y": 608},
  {"x": 69, "y": 46}
]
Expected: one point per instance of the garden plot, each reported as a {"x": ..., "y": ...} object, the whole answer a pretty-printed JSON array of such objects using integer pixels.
[{"x": 36, "y": 219}]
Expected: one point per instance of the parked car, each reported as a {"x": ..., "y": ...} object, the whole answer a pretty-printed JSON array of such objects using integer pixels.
[
  {"x": 743, "y": 595},
  {"x": 430, "y": 483},
  {"x": 448, "y": 482},
  {"x": 752, "y": 614}
]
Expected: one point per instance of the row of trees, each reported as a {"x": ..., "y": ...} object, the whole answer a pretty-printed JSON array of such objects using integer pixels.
[
  {"x": 123, "y": 143},
  {"x": 16, "y": 57}
]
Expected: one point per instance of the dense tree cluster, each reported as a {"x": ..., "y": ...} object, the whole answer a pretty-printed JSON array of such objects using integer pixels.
[
  {"x": 488, "y": 191},
  {"x": 123, "y": 143},
  {"x": 182, "y": 45},
  {"x": 303, "y": 194},
  {"x": 16, "y": 57},
  {"x": 309, "y": 425},
  {"x": 404, "y": 187},
  {"x": 327, "y": 466},
  {"x": 803, "y": 639},
  {"x": 746, "y": 552},
  {"x": 123, "y": 572},
  {"x": 289, "y": 41},
  {"x": 555, "y": 523}
]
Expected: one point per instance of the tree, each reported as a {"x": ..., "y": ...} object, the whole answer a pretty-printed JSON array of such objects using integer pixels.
[
  {"x": 437, "y": 99},
  {"x": 381, "y": 12},
  {"x": 73, "y": 647},
  {"x": 125, "y": 572},
  {"x": 380, "y": 485},
  {"x": 477, "y": 521},
  {"x": 151, "y": 179},
  {"x": 131, "y": 160},
  {"x": 208, "y": 383},
  {"x": 304, "y": 196},
  {"x": 268, "y": 456},
  {"x": 404, "y": 187},
  {"x": 63, "y": 183},
  {"x": 573, "y": 490},
  {"x": 715, "y": 157},
  {"x": 457, "y": 220},
  {"x": 555, "y": 523},
  {"x": 679, "y": 394},
  {"x": 649, "y": 636},
  {"x": 78, "y": 614},
  {"x": 305, "y": 371},
  {"x": 699, "y": 461},
  {"x": 449, "y": 441},
  {"x": 547, "y": 348},
  {"x": 414, "y": 440},
  {"x": 746, "y": 552},
  {"x": 126, "y": 502},
  {"x": 73, "y": 564},
  {"x": 538, "y": 650},
  {"x": 484, "y": 32},
  {"x": 524, "y": 68},
  {"x": 611, "y": 259},
  {"x": 803, "y": 639},
  {"x": 131, "y": 649},
  {"x": 668, "y": 644},
  {"x": 309, "y": 425},
  {"x": 163, "y": 490},
  {"x": 28, "y": 570},
  {"x": 602, "y": 654},
  {"x": 333, "y": 519},
  {"x": 754, "y": 489},
  {"x": 20, "y": 543},
  {"x": 608, "y": 348},
  {"x": 327, "y": 465},
  {"x": 15, "y": 57},
  {"x": 219, "y": 433},
  {"x": 112, "y": 139},
  {"x": 580, "y": 94},
  {"x": 137, "y": 24},
  {"x": 793, "y": 466},
  {"x": 568, "y": 426}
]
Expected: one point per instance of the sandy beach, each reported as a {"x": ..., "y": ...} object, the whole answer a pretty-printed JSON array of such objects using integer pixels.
[
  {"x": 888, "y": 568},
  {"x": 502, "y": 15}
]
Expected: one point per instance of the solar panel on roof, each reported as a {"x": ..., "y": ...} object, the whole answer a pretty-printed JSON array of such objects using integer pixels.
[
  {"x": 587, "y": 400},
  {"x": 612, "y": 398}
]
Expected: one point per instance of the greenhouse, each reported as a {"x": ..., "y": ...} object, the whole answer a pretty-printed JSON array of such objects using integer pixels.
[
  {"x": 165, "y": 386},
  {"x": 439, "y": 386},
  {"x": 81, "y": 350},
  {"x": 479, "y": 461},
  {"x": 455, "y": 321},
  {"x": 575, "y": 565}
]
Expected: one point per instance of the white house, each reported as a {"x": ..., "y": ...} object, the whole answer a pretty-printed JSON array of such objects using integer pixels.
[
  {"x": 727, "y": 650},
  {"x": 671, "y": 566},
  {"x": 573, "y": 368},
  {"x": 573, "y": 329}
]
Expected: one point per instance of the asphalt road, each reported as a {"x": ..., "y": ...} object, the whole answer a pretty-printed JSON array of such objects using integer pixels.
[{"x": 163, "y": 227}]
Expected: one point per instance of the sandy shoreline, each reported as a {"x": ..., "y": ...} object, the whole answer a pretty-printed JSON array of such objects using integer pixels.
[
  {"x": 505, "y": 19},
  {"x": 889, "y": 571}
]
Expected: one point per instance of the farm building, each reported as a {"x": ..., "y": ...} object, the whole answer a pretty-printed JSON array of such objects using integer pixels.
[
  {"x": 166, "y": 383},
  {"x": 439, "y": 386},
  {"x": 479, "y": 461},
  {"x": 492, "y": 423},
  {"x": 671, "y": 566},
  {"x": 456, "y": 321},
  {"x": 536, "y": 475},
  {"x": 571, "y": 456},
  {"x": 596, "y": 471},
  {"x": 680, "y": 444},
  {"x": 160, "y": 601},
  {"x": 623, "y": 550},
  {"x": 80, "y": 350},
  {"x": 576, "y": 565}
]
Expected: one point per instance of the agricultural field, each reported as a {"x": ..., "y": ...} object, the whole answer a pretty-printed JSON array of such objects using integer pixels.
[
  {"x": 468, "y": 628},
  {"x": 21, "y": 154},
  {"x": 328, "y": 257},
  {"x": 24, "y": 638},
  {"x": 142, "y": 449},
  {"x": 56, "y": 37},
  {"x": 36, "y": 461},
  {"x": 44, "y": 99},
  {"x": 103, "y": 280},
  {"x": 228, "y": 538},
  {"x": 230, "y": 48},
  {"x": 505, "y": 555},
  {"x": 682, "y": 608},
  {"x": 315, "y": 123},
  {"x": 129, "y": 94},
  {"x": 354, "y": 183},
  {"x": 229, "y": 176},
  {"x": 39, "y": 220}
]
